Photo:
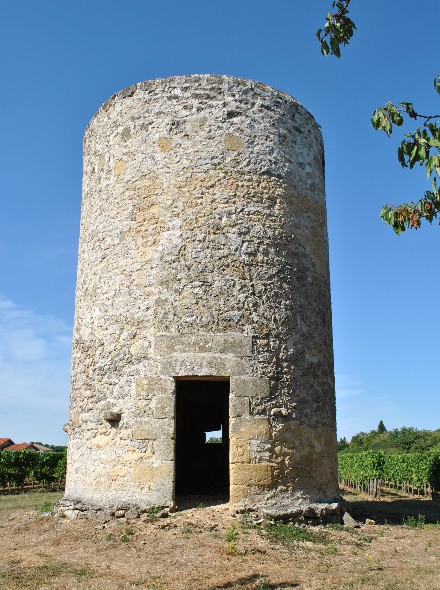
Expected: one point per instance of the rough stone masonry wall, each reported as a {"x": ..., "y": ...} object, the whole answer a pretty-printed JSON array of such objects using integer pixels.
[{"x": 203, "y": 252}]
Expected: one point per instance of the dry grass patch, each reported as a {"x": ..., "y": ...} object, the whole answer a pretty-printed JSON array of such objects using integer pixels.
[{"x": 208, "y": 549}]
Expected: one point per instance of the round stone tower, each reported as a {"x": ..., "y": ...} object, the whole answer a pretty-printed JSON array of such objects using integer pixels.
[{"x": 203, "y": 304}]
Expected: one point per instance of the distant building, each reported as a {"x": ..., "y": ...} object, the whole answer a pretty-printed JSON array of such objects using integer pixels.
[{"x": 7, "y": 444}]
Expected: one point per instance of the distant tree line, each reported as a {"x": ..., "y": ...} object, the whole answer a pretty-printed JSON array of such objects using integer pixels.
[{"x": 399, "y": 440}]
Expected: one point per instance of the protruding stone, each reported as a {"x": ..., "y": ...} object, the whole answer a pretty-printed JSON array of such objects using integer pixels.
[{"x": 112, "y": 416}]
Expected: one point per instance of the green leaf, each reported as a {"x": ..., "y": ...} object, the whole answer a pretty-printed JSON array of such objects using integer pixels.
[{"x": 325, "y": 49}]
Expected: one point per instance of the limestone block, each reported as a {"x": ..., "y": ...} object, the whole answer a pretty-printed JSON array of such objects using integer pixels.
[
  {"x": 260, "y": 451},
  {"x": 165, "y": 344},
  {"x": 152, "y": 473},
  {"x": 227, "y": 343},
  {"x": 250, "y": 386},
  {"x": 238, "y": 450},
  {"x": 99, "y": 441},
  {"x": 251, "y": 474},
  {"x": 164, "y": 406},
  {"x": 249, "y": 428},
  {"x": 153, "y": 429},
  {"x": 164, "y": 449},
  {"x": 238, "y": 493},
  {"x": 238, "y": 406},
  {"x": 202, "y": 365},
  {"x": 151, "y": 386},
  {"x": 235, "y": 344}
]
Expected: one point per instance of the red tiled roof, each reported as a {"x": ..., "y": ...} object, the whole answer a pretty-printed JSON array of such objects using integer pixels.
[
  {"x": 19, "y": 447},
  {"x": 5, "y": 440}
]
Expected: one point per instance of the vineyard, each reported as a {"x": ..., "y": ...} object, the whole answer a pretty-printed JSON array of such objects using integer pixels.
[
  {"x": 30, "y": 468},
  {"x": 416, "y": 474}
]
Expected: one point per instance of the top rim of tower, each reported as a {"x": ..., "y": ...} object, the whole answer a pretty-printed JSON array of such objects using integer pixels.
[{"x": 224, "y": 78}]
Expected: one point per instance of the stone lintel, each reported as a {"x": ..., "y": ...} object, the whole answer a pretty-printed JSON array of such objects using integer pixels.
[
  {"x": 250, "y": 386},
  {"x": 227, "y": 343},
  {"x": 202, "y": 364}
]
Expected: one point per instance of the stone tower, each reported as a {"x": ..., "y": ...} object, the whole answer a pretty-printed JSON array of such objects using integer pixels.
[{"x": 203, "y": 303}]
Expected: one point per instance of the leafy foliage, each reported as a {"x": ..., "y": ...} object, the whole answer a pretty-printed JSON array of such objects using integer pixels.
[
  {"x": 399, "y": 440},
  {"x": 338, "y": 29},
  {"x": 361, "y": 467},
  {"x": 415, "y": 469},
  {"x": 215, "y": 440},
  {"x": 18, "y": 466},
  {"x": 420, "y": 147},
  {"x": 381, "y": 427}
]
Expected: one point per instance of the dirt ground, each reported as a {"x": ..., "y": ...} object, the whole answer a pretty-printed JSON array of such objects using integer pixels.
[{"x": 205, "y": 548}]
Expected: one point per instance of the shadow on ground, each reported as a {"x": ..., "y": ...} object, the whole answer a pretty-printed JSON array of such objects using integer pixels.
[
  {"x": 255, "y": 582},
  {"x": 394, "y": 511},
  {"x": 200, "y": 501}
]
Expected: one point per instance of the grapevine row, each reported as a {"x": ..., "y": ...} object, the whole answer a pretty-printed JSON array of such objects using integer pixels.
[
  {"x": 19, "y": 467},
  {"x": 371, "y": 470}
]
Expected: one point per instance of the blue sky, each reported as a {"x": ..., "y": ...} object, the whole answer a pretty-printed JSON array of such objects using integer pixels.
[{"x": 61, "y": 60}]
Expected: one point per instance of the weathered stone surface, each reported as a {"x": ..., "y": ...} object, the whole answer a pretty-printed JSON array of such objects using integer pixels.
[
  {"x": 202, "y": 364},
  {"x": 250, "y": 386},
  {"x": 249, "y": 428},
  {"x": 203, "y": 253},
  {"x": 251, "y": 474},
  {"x": 236, "y": 344},
  {"x": 239, "y": 407},
  {"x": 349, "y": 521},
  {"x": 153, "y": 429},
  {"x": 150, "y": 387},
  {"x": 164, "y": 406},
  {"x": 112, "y": 416}
]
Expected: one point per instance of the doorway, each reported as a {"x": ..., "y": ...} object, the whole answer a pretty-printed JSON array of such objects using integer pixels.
[{"x": 202, "y": 438}]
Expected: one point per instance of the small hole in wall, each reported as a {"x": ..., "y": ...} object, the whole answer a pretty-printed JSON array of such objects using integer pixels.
[{"x": 214, "y": 436}]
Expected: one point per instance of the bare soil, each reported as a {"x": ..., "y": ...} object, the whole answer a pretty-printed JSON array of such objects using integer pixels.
[{"x": 206, "y": 548}]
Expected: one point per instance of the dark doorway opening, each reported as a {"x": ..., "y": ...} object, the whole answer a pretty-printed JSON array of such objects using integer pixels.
[{"x": 202, "y": 467}]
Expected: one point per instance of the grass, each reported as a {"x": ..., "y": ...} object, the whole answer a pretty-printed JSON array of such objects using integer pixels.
[
  {"x": 288, "y": 534},
  {"x": 127, "y": 534},
  {"x": 75, "y": 556},
  {"x": 231, "y": 538},
  {"x": 29, "y": 500},
  {"x": 45, "y": 507},
  {"x": 414, "y": 521},
  {"x": 31, "y": 577}
]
